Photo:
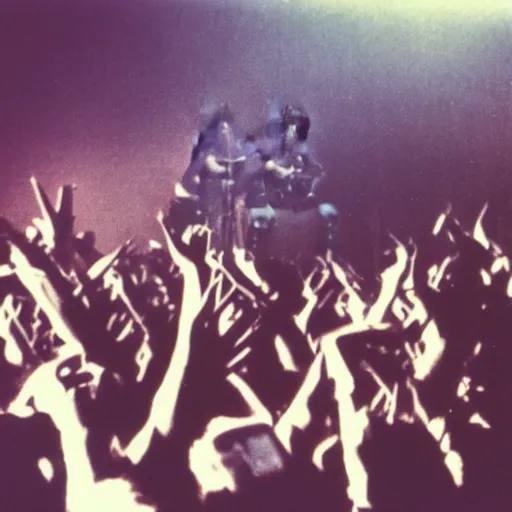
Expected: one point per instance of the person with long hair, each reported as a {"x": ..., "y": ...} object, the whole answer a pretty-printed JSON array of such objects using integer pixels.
[
  {"x": 287, "y": 177},
  {"x": 216, "y": 162}
]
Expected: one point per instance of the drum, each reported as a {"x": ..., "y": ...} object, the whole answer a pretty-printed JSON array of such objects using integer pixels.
[{"x": 295, "y": 237}]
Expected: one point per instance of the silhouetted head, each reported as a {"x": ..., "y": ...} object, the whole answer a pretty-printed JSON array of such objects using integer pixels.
[
  {"x": 285, "y": 279},
  {"x": 218, "y": 116},
  {"x": 217, "y": 132},
  {"x": 86, "y": 239}
]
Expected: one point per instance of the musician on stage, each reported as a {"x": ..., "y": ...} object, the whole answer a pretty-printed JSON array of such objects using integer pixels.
[
  {"x": 210, "y": 178},
  {"x": 288, "y": 177}
]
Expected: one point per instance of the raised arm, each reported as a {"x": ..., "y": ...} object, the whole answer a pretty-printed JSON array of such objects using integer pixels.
[{"x": 165, "y": 401}]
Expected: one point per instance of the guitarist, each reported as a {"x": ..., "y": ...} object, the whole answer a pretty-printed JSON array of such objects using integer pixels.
[{"x": 284, "y": 176}]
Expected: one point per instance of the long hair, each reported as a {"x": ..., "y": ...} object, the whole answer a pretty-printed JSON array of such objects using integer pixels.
[
  {"x": 209, "y": 135},
  {"x": 220, "y": 115}
]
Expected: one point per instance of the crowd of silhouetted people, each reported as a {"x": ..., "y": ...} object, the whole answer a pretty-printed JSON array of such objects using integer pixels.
[{"x": 180, "y": 376}]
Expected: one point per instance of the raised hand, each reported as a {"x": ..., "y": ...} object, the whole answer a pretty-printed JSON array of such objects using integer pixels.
[
  {"x": 56, "y": 223},
  {"x": 189, "y": 247}
]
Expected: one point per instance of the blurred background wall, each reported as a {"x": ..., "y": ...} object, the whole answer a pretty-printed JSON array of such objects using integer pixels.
[{"x": 411, "y": 109}]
